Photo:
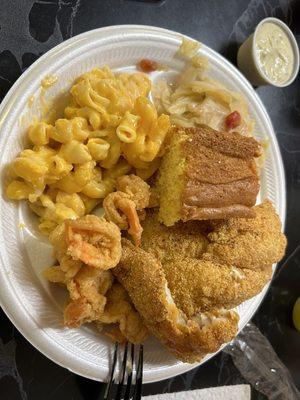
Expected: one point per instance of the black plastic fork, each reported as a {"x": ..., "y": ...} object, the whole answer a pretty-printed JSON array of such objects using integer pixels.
[{"x": 125, "y": 376}]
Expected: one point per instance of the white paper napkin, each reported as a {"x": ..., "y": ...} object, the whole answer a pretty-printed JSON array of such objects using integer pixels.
[{"x": 237, "y": 392}]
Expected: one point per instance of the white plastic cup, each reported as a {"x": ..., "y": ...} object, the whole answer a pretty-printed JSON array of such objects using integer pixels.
[{"x": 248, "y": 62}]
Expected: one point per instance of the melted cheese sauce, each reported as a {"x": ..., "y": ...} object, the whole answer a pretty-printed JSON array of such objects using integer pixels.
[
  {"x": 48, "y": 81},
  {"x": 30, "y": 101},
  {"x": 275, "y": 52}
]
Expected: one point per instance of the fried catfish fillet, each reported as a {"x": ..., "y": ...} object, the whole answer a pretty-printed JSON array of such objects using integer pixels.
[
  {"x": 200, "y": 285},
  {"x": 216, "y": 264},
  {"x": 189, "y": 339},
  {"x": 248, "y": 243}
]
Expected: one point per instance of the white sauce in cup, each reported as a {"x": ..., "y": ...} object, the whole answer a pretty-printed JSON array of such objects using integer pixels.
[{"x": 274, "y": 52}]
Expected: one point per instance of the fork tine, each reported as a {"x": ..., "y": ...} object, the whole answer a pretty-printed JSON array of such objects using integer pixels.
[
  {"x": 109, "y": 385},
  {"x": 129, "y": 379},
  {"x": 123, "y": 370},
  {"x": 137, "y": 394}
]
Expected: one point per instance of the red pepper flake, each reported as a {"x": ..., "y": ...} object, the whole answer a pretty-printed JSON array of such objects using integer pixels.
[
  {"x": 233, "y": 120},
  {"x": 148, "y": 65}
]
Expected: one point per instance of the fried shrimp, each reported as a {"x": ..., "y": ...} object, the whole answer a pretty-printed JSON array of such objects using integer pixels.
[
  {"x": 120, "y": 310},
  {"x": 58, "y": 241},
  {"x": 87, "y": 292},
  {"x": 63, "y": 272},
  {"x": 55, "y": 274},
  {"x": 112, "y": 207},
  {"x": 87, "y": 296},
  {"x": 93, "y": 241},
  {"x": 85, "y": 249},
  {"x": 125, "y": 207},
  {"x": 136, "y": 188},
  {"x": 121, "y": 210}
]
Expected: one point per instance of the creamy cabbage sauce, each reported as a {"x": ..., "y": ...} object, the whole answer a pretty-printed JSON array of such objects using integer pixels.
[{"x": 275, "y": 52}]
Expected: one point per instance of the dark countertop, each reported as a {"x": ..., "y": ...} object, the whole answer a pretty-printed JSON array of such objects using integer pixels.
[{"x": 28, "y": 29}]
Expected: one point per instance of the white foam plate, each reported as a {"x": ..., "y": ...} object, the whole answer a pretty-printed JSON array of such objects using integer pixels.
[{"x": 34, "y": 306}]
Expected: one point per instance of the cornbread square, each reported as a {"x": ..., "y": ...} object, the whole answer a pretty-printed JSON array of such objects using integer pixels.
[{"x": 206, "y": 174}]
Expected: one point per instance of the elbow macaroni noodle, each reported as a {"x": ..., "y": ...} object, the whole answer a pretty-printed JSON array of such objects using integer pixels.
[{"x": 109, "y": 128}]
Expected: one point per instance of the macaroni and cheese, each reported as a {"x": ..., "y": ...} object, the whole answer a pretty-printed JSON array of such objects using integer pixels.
[{"x": 109, "y": 127}]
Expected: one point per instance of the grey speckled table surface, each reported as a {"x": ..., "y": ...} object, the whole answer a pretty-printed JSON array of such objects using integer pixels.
[{"x": 29, "y": 28}]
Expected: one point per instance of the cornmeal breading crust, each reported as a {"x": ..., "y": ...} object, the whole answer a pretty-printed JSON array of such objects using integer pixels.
[
  {"x": 248, "y": 243},
  {"x": 216, "y": 264},
  {"x": 188, "y": 339},
  {"x": 199, "y": 285},
  {"x": 184, "y": 278}
]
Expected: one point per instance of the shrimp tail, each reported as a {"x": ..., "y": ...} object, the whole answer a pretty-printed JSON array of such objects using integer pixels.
[{"x": 135, "y": 228}]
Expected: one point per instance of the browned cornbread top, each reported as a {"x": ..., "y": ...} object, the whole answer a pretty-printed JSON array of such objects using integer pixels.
[
  {"x": 221, "y": 179},
  {"x": 230, "y": 143}
]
